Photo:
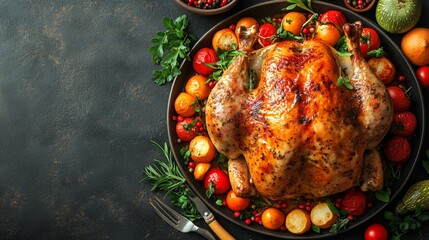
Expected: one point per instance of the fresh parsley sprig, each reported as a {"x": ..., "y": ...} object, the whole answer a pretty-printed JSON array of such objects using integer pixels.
[
  {"x": 226, "y": 58},
  {"x": 169, "y": 47},
  {"x": 166, "y": 176}
]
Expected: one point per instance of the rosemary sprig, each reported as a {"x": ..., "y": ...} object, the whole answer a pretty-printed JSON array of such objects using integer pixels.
[{"x": 166, "y": 176}]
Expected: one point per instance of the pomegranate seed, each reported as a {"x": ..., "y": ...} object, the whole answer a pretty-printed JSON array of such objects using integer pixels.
[
  {"x": 180, "y": 118},
  {"x": 301, "y": 206},
  {"x": 237, "y": 214},
  {"x": 257, "y": 219},
  {"x": 199, "y": 124},
  {"x": 283, "y": 228},
  {"x": 401, "y": 78},
  {"x": 232, "y": 27},
  {"x": 350, "y": 217},
  {"x": 255, "y": 212},
  {"x": 283, "y": 205},
  {"x": 305, "y": 31},
  {"x": 201, "y": 129},
  {"x": 308, "y": 208},
  {"x": 191, "y": 164},
  {"x": 248, "y": 221},
  {"x": 174, "y": 118}
]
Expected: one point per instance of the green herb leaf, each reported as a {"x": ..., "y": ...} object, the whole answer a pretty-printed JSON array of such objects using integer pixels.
[
  {"x": 211, "y": 189},
  {"x": 169, "y": 47},
  {"x": 299, "y": 3},
  {"x": 383, "y": 195},
  {"x": 377, "y": 52},
  {"x": 344, "y": 81},
  {"x": 315, "y": 228},
  {"x": 332, "y": 207}
]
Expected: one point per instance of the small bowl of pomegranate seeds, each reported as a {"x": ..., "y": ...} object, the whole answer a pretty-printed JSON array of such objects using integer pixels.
[
  {"x": 359, "y": 5},
  {"x": 207, "y": 7}
]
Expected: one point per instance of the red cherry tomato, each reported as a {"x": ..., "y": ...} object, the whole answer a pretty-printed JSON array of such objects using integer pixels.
[
  {"x": 333, "y": 16},
  {"x": 186, "y": 130},
  {"x": 220, "y": 180},
  {"x": 267, "y": 34},
  {"x": 369, "y": 41},
  {"x": 397, "y": 149},
  {"x": 400, "y": 101},
  {"x": 404, "y": 124},
  {"x": 354, "y": 201},
  {"x": 376, "y": 232},
  {"x": 203, "y": 57},
  {"x": 423, "y": 76}
]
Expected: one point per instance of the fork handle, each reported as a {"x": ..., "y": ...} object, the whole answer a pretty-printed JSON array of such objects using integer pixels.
[
  {"x": 205, "y": 233},
  {"x": 220, "y": 231}
]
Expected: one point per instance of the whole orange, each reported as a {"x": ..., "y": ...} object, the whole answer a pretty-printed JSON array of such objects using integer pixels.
[{"x": 415, "y": 46}]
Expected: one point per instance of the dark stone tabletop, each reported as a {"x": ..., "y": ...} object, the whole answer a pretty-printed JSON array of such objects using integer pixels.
[{"x": 78, "y": 110}]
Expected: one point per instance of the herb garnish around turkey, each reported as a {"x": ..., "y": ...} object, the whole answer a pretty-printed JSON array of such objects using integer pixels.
[
  {"x": 300, "y": 3},
  {"x": 344, "y": 81},
  {"x": 226, "y": 58},
  {"x": 169, "y": 48},
  {"x": 166, "y": 176}
]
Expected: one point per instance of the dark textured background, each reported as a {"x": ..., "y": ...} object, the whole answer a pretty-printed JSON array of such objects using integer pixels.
[{"x": 78, "y": 110}]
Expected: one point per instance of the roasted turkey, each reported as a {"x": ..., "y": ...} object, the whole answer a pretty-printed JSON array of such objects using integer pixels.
[{"x": 298, "y": 132}]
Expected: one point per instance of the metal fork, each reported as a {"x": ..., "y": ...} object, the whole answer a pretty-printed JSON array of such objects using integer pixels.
[{"x": 176, "y": 220}]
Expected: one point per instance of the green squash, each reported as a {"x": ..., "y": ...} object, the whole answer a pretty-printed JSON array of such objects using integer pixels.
[
  {"x": 398, "y": 16},
  {"x": 417, "y": 195}
]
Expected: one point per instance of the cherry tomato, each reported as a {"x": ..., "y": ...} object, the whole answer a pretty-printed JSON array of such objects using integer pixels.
[
  {"x": 273, "y": 218},
  {"x": 404, "y": 124},
  {"x": 423, "y": 76},
  {"x": 267, "y": 34},
  {"x": 376, "y": 232},
  {"x": 333, "y": 16},
  {"x": 236, "y": 203},
  {"x": 400, "y": 101},
  {"x": 354, "y": 201},
  {"x": 220, "y": 180},
  {"x": 186, "y": 130},
  {"x": 397, "y": 149},
  {"x": 369, "y": 41},
  {"x": 203, "y": 57}
]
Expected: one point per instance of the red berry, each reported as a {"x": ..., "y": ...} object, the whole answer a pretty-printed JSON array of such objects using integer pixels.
[
  {"x": 401, "y": 78},
  {"x": 283, "y": 228},
  {"x": 180, "y": 118},
  {"x": 237, "y": 214},
  {"x": 350, "y": 217},
  {"x": 283, "y": 205},
  {"x": 248, "y": 221},
  {"x": 257, "y": 219},
  {"x": 232, "y": 27},
  {"x": 191, "y": 164},
  {"x": 212, "y": 84}
]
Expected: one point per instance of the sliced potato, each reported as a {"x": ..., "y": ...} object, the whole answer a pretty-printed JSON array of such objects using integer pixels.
[
  {"x": 322, "y": 216},
  {"x": 298, "y": 221}
]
